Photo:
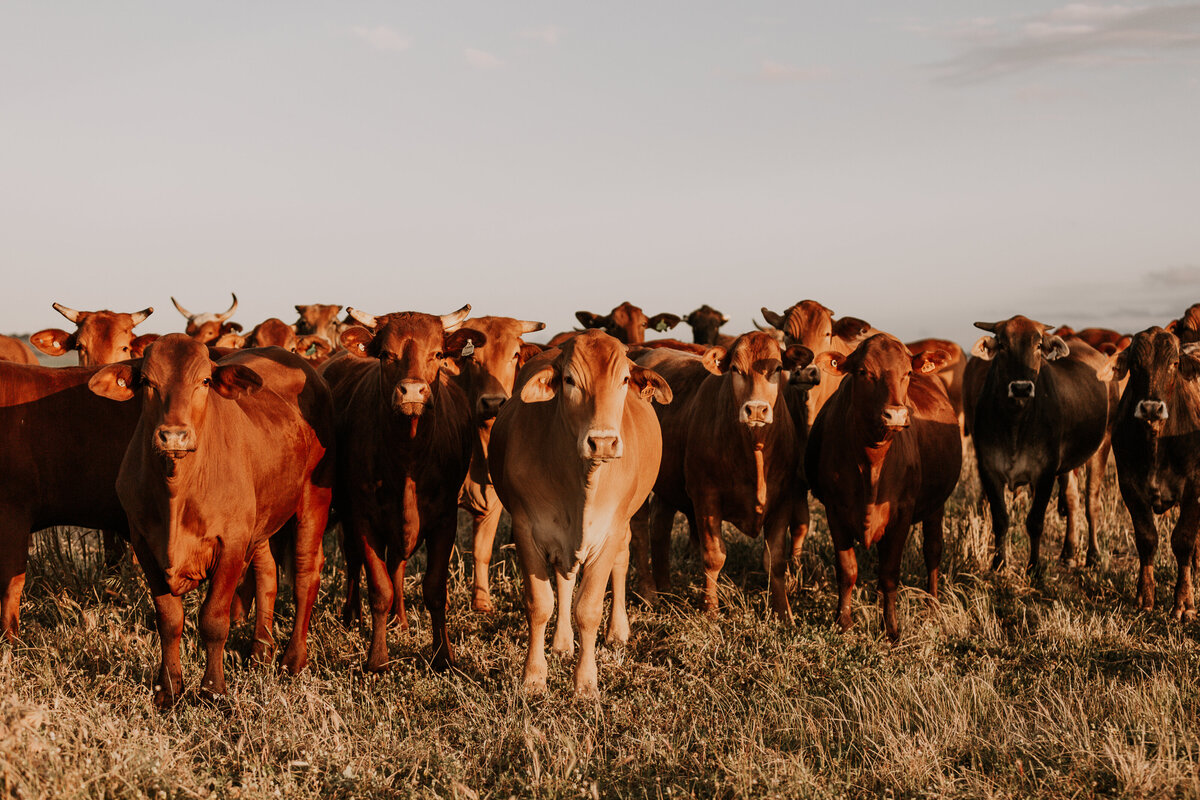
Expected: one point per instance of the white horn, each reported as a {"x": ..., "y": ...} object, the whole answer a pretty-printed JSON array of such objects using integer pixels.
[
  {"x": 529, "y": 327},
  {"x": 140, "y": 316},
  {"x": 362, "y": 316},
  {"x": 182, "y": 310},
  {"x": 69, "y": 313},
  {"x": 454, "y": 319},
  {"x": 229, "y": 313}
]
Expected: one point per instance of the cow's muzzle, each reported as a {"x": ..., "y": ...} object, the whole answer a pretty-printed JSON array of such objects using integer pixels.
[
  {"x": 489, "y": 405},
  {"x": 1151, "y": 411},
  {"x": 894, "y": 417},
  {"x": 806, "y": 377},
  {"x": 1020, "y": 390},
  {"x": 174, "y": 441},
  {"x": 601, "y": 445},
  {"x": 410, "y": 398},
  {"x": 755, "y": 413}
]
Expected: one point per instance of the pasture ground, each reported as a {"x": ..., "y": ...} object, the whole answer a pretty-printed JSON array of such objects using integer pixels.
[{"x": 1057, "y": 687}]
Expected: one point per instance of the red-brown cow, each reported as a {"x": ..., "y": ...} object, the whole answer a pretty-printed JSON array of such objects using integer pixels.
[
  {"x": 15, "y": 351},
  {"x": 884, "y": 453},
  {"x": 100, "y": 337},
  {"x": 1102, "y": 340},
  {"x": 627, "y": 322},
  {"x": 209, "y": 327},
  {"x": 706, "y": 324},
  {"x": 951, "y": 373},
  {"x": 318, "y": 319},
  {"x": 729, "y": 454},
  {"x": 486, "y": 374},
  {"x": 405, "y": 436},
  {"x": 224, "y": 455},
  {"x": 574, "y": 454}
]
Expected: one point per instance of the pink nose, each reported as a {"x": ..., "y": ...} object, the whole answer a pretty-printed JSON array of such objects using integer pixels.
[
  {"x": 600, "y": 446},
  {"x": 755, "y": 413},
  {"x": 1151, "y": 410},
  {"x": 895, "y": 416},
  {"x": 174, "y": 438},
  {"x": 410, "y": 396}
]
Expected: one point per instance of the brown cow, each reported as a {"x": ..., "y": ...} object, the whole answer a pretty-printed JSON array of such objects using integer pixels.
[
  {"x": 486, "y": 374},
  {"x": 209, "y": 327},
  {"x": 224, "y": 455},
  {"x": 15, "y": 351},
  {"x": 627, "y": 322},
  {"x": 729, "y": 454},
  {"x": 405, "y": 436},
  {"x": 62, "y": 450},
  {"x": 100, "y": 337},
  {"x": 706, "y": 323},
  {"x": 574, "y": 454},
  {"x": 274, "y": 332},
  {"x": 884, "y": 453},
  {"x": 319, "y": 320},
  {"x": 951, "y": 373},
  {"x": 1102, "y": 340}
]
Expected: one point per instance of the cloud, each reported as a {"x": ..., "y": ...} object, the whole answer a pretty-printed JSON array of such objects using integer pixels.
[
  {"x": 481, "y": 59},
  {"x": 548, "y": 34},
  {"x": 1079, "y": 34},
  {"x": 1184, "y": 276},
  {"x": 382, "y": 37},
  {"x": 777, "y": 72}
]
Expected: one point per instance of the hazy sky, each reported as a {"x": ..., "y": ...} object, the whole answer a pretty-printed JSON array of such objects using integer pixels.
[{"x": 917, "y": 164}]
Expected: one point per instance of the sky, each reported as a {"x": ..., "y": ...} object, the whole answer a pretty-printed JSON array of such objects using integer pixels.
[{"x": 920, "y": 165}]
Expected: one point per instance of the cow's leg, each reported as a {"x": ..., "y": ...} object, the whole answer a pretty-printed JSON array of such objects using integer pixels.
[
  {"x": 214, "y": 620},
  {"x": 776, "y": 549},
  {"x": 712, "y": 549},
  {"x": 639, "y": 545},
  {"x": 438, "y": 544},
  {"x": 168, "y": 618},
  {"x": 14, "y": 556},
  {"x": 539, "y": 604},
  {"x": 931, "y": 548},
  {"x": 994, "y": 492},
  {"x": 379, "y": 595},
  {"x": 800, "y": 524},
  {"x": 618, "y": 618},
  {"x": 114, "y": 551},
  {"x": 846, "y": 566},
  {"x": 353, "y": 553},
  {"x": 1036, "y": 520},
  {"x": 1091, "y": 508},
  {"x": 662, "y": 521},
  {"x": 589, "y": 608},
  {"x": 396, "y": 566},
  {"x": 564, "y": 634},
  {"x": 263, "y": 577},
  {"x": 891, "y": 553},
  {"x": 485, "y": 526},
  {"x": 1145, "y": 537},
  {"x": 243, "y": 598},
  {"x": 311, "y": 521},
  {"x": 1183, "y": 543},
  {"x": 1068, "y": 492}
]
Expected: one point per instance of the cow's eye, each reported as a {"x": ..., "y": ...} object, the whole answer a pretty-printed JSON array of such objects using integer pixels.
[
  {"x": 569, "y": 381},
  {"x": 438, "y": 355},
  {"x": 207, "y": 381},
  {"x": 625, "y": 381},
  {"x": 517, "y": 354}
]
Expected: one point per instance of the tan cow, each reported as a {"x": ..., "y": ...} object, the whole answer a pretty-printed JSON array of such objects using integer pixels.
[
  {"x": 100, "y": 337},
  {"x": 16, "y": 351},
  {"x": 209, "y": 327},
  {"x": 574, "y": 454}
]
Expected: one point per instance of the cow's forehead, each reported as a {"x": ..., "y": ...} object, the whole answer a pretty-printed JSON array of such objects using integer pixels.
[
  {"x": 175, "y": 353},
  {"x": 1154, "y": 347},
  {"x": 1020, "y": 327},
  {"x": 594, "y": 352},
  {"x": 750, "y": 348},
  {"x": 807, "y": 316},
  {"x": 424, "y": 329},
  {"x": 885, "y": 352},
  {"x": 105, "y": 323}
]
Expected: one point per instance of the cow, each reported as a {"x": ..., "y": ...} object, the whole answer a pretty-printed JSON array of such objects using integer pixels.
[
  {"x": 486, "y": 375},
  {"x": 1156, "y": 441},
  {"x": 209, "y": 327},
  {"x": 100, "y": 337},
  {"x": 951, "y": 374},
  {"x": 274, "y": 332},
  {"x": 15, "y": 351},
  {"x": 883, "y": 454},
  {"x": 62, "y": 451},
  {"x": 405, "y": 435},
  {"x": 574, "y": 455},
  {"x": 319, "y": 320},
  {"x": 1041, "y": 413},
  {"x": 626, "y": 322},
  {"x": 223, "y": 456},
  {"x": 1187, "y": 327},
  {"x": 706, "y": 323},
  {"x": 730, "y": 453},
  {"x": 1102, "y": 340}
]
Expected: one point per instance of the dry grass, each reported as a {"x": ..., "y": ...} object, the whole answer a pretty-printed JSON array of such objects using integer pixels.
[{"x": 1058, "y": 688}]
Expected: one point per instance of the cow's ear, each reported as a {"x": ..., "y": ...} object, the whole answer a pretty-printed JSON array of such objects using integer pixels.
[
  {"x": 137, "y": 348},
  {"x": 1189, "y": 365},
  {"x": 1054, "y": 348},
  {"x": 116, "y": 381},
  {"x": 851, "y": 329},
  {"x": 714, "y": 360},
  {"x": 930, "y": 361},
  {"x": 590, "y": 320},
  {"x": 650, "y": 384},
  {"x": 985, "y": 348},
  {"x": 541, "y": 386},
  {"x": 797, "y": 356},
  {"x": 527, "y": 352},
  {"x": 1172, "y": 325},
  {"x": 462, "y": 342},
  {"x": 663, "y": 322},
  {"x": 832, "y": 362},
  {"x": 773, "y": 319},
  {"x": 357, "y": 339},
  {"x": 234, "y": 380},
  {"x": 230, "y": 341},
  {"x": 53, "y": 341},
  {"x": 1115, "y": 366},
  {"x": 315, "y": 342}
]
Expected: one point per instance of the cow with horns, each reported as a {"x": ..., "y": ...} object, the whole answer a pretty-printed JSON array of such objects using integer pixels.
[{"x": 210, "y": 327}]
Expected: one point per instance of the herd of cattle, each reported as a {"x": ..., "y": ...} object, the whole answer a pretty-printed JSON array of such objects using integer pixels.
[{"x": 220, "y": 455}]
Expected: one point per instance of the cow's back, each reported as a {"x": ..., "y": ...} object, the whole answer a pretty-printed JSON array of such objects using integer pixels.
[{"x": 16, "y": 351}]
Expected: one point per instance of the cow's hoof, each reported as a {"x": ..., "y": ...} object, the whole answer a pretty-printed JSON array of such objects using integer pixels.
[{"x": 482, "y": 604}]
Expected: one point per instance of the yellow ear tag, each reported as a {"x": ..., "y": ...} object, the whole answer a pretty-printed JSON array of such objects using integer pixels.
[{"x": 662, "y": 327}]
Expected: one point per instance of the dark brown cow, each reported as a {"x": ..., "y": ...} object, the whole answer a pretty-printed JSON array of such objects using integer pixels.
[
  {"x": 1102, "y": 340},
  {"x": 574, "y": 455},
  {"x": 729, "y": 454},
  {"x": 209, "y": 327},
  {"x": 319, "y": 320},
  {"x": 486, "y": 374},
  {"x": 883, "y": 454},
  {"x": 405, "y": 436},
  {"x": 627, "y": 322},
  {"x": 706, "y": 324},
  {"x": 100, "y": 337},
  {"x": 1156, "y": 441},
  {"x": 62, "y": 450},
  {"x": 224, "y": 455},
  {"x": 1187, "y": 327},
  {"x": 15, "y": 351}
]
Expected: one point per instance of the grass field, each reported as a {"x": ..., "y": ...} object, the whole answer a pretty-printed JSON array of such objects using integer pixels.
[{"x": 1058, "y": 687}]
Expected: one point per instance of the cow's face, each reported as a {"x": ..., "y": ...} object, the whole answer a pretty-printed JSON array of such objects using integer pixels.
[
  {"x": 100, "y": 337},
  {"x": 627, "y": 322},
  {"x": 706, "y": 323},
  {"x": 273, "y": 332},
  {"x": 811, "y": 324},
  {"x": 1155, "y": 363},
  {"x": 753, "y": 370},
  {"x": 316, "y": 318},
  {"x": 411, "y": 349},
  {"x": 208, "y": 326},
  {"x": 491, "y": 369},
  {"x": 591, "y": 378},
  {"x": 876, "y": 376},
  {"x": 1018, "y": 346}
]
